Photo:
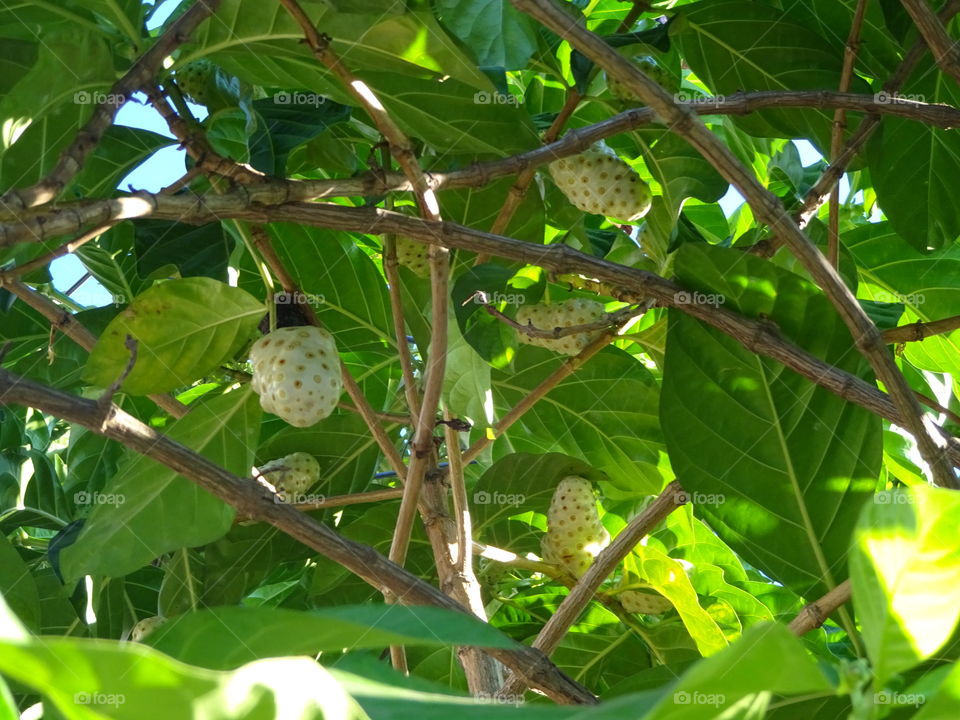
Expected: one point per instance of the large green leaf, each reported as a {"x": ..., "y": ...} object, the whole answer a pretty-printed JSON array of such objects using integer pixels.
[
  {"x": 925, "y": 284},
  {"x": 120, "y": 150},
  {"x": 912, "y": 167},
  {"x": 18, "y": 586},
  {"x": 905, "y": 570},
  {"x": 768, "y": 658},
  {"x": 604, "y": 414},
  {"x": 227, "y": 637},
  {"x": 735, "y": 45},
  {"x": 779, "y": 466},
  {"x": 183, "y": 328},
  {"x": 497, "y": 33},
  {"x": 409, "y": 42},
  {"x": 147, "y": 509}
]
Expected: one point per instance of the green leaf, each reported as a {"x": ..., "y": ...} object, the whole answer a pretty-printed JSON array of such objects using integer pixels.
[
  {"x": 120, "y": 151},
  {"x": 667, "y": 576},
  {"x": 227, "y": 637},
  {"x": 768, "y": 658},
  {"x": 911, "y": 166},
  {"x": 734, "y": 45},
  {"x": 183, "y": 328},
  {"x": 132, "y": 682},
  {"x": 147, "y": 509},
  {"x": 497, "y": 33},
  {"x": 196, "y": 251},
  {"x": 288, "y": 120},
  {"x": 604, "y": 414},
  {"x": 925, "y": 284},
  {"x": 18, "y": 587},
  {"x": 943, "y": 705},
  {"x": 905, "y": 568},
  {"x": 779, "y": 467}
]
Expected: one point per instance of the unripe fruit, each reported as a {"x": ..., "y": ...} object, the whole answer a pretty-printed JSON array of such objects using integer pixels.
[
  {"x": 575, "y": 534},
  {"x": 598, "y": 181},
  {"x": 649, "y": 67},
  {"x": 291, "y": 475},
  {"x": 198, "y": 81},
  {"x": 413, "y": 255},
  {"x": 575, "y": 311},
  {"x": 296, "y": 373},
  {"x": 145, "y": 627},
  {"x": 645, "y": 603}
]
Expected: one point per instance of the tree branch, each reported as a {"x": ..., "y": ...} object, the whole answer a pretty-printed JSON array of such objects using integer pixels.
[
  {"x": 917, "y": 331},
  {"x": 253, "y": 501},
  {"x": 943, "y": 47},
  {"x": 144, "y": 69},
  {"x": 768, "y": 210},
  {"x": 816, "y": 613}
]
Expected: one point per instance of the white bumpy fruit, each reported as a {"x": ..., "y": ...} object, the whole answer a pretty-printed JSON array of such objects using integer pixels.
[
  {"x": 291, "y": 475},
  {"x": 575, "y": 311},
  {"x": 296, "y": 373},
  {"x": 598, "y": 181},
  {"x": 645, "y": 603},
  {"x": 413, "y": 255},
  {"x": 575, "y": 534},
  {"x": 145, "y": 627}
]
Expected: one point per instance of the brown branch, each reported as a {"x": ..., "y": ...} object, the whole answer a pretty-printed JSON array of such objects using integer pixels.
[
  {"x": 605, "y": 563},
  {"x": 840, "y": 125},
  {"x": 816, "y": 613},
  {"x": 914, "y": 332},
  {"x": 392, "y": 273},
  {"x": 944, "y": 49},
  {"x": 370, "y": 496},
  {"x": 143, "y": 70},
  {"x": 253, "y": 501},
  {"x": 66, "y": 323},
  {"x": 46, "y": 259},
  {"x": 768, "y": 210}
]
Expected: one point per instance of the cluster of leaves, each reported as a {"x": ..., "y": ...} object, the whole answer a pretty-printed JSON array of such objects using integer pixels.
[{"x": 783, "y": 476}]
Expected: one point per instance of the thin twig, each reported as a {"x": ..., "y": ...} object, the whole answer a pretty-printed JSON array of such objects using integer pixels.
[
  {"x": 840, "y": 125},
  {"x": 615, "y": 318},
  {"x": 72, "y": 159},
  {"x": 392, "y": 273},
  {"x": 915, "y": 332},
  {"x": 816, "y": 613},
  {"x": 44, "y": 260}
]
